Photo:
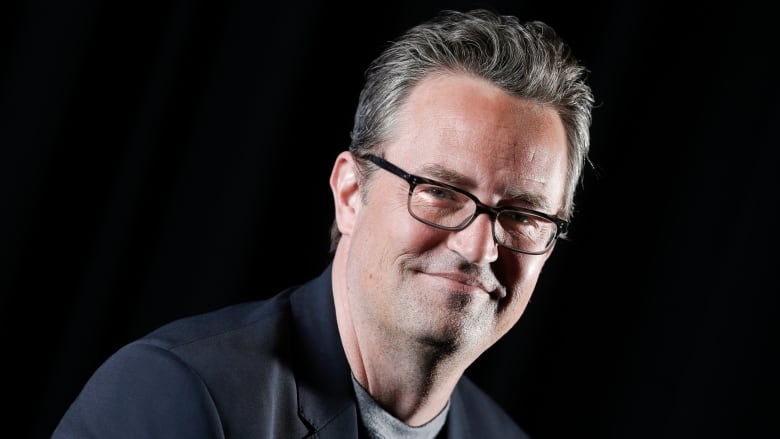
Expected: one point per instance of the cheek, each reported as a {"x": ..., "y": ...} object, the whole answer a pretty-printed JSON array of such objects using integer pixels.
[
  {"x": 397, "y": 228},
  {"x": 421, "y": 237},
  {"x": 519, "y": 274}
]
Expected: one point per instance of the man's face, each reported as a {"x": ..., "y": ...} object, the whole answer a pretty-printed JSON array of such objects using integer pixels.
[{"x": 414, "y": 283}]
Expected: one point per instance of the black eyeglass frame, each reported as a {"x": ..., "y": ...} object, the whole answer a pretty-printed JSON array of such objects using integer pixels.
[{"x": 561, "y": 225}]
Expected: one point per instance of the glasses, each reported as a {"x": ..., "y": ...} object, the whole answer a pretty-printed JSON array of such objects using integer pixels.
[{"x": 450, "y": 208}]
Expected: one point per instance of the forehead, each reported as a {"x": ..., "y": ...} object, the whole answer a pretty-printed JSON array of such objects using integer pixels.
[{"x": 468, "y": 127}]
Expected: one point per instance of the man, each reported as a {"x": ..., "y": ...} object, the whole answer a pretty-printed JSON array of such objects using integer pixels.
[{"x": 469, "y": 140}]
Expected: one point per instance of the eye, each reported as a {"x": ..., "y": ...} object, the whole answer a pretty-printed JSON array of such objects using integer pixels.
[
  {"x": 438, "y": 194},
  {"x": 516, "y": 217}
]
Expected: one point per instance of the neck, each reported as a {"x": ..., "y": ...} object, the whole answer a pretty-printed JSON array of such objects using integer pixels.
[{"x": 410, "y": 379}]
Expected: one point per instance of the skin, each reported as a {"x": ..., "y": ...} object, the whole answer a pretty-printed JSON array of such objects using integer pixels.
[{"x": 416, "y": 305}]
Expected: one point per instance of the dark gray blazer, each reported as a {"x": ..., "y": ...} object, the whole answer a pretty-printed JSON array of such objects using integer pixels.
[{"x": 266, "y": 369}]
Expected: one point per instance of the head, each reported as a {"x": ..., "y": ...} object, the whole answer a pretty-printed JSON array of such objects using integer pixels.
[
  {"x": 487, "y": 105},
  {"x": 527, "y": 60}
]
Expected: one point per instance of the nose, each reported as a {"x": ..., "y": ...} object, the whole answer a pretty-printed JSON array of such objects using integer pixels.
[{"x": 475, "y": 243}]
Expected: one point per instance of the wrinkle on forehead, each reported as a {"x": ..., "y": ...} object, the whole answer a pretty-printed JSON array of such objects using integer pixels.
[{"x": 482, "y": 140}]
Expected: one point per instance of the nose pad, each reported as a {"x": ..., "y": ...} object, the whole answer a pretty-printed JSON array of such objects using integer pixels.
[{"x": 475, "y": 243}]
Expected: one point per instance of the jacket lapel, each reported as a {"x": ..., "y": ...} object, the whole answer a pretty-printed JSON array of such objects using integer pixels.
[
  {"x": 326, "y": 402},
  {"x": 457, "y": 426}
]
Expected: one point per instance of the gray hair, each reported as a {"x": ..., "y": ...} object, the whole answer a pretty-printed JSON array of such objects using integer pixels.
[{"x": 527, "y": 60}]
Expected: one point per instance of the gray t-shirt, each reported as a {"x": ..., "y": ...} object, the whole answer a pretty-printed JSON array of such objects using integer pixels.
[{"x": 379, "y": 424}]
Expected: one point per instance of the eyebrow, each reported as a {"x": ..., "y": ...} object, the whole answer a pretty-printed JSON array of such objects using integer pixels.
[{"x": 437, "y": 172}]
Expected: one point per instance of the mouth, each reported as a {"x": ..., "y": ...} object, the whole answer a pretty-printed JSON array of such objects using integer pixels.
[{"x": 471, "y": 283}]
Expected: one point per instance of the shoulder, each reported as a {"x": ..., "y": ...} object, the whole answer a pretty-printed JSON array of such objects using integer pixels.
[
  {"x": 253, "y": 338},
  {"x": 239, "y": 320},
  {"x": 214, "y": 370},
  {"x": 205, "y": 345}
]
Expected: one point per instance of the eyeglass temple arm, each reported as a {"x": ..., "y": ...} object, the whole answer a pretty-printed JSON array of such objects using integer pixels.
[{"x": 384, "y": 164}]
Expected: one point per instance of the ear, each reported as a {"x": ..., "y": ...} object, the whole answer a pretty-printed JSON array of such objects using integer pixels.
[{"x": 346, "y": 193}]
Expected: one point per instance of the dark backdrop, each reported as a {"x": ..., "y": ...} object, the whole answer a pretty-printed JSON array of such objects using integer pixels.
[{"x": 164, "y": 159}]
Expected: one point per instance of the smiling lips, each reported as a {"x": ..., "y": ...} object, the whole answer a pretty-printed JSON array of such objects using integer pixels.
[{"x": 490, "y": 287}]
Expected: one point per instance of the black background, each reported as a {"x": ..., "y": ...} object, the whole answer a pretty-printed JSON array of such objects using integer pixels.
[{"x": 164, "y": 159}]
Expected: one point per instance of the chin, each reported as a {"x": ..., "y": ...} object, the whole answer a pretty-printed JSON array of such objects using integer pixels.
[{"x": 458, "y": 336}]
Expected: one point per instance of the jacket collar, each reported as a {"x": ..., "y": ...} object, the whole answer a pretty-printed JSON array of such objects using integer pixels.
[
  {"x": 458, "y": 425},
  {"x": 326, "y": 403}
]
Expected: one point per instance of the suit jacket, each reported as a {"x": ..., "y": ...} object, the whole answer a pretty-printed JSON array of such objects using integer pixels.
[{"x": 267, "y": 369}]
